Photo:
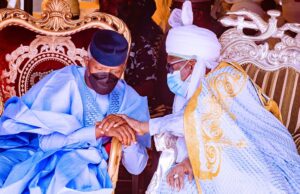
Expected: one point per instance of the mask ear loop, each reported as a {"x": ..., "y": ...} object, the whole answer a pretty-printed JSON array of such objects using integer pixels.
[
  {"x": 188, "y": 79},
  {"x": 177, "y": 61},
  {"x": 181, "y": 68}
]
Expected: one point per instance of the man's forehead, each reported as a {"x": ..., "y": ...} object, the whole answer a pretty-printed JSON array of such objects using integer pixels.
[
  {"x": 173, "y": 58},
  {"x": 102, "y": 66}
]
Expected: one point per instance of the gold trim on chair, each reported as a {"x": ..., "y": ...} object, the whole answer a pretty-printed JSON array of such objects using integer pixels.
[
  {"x": 56, "y": 21},
  {"x": 242, "y": 48},
  {"x": 42, "y": 48},
  {"x": 272, "y": 59}
]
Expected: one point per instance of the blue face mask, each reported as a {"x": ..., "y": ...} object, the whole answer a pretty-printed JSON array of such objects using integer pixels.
[{"x": 176, "y": 85}]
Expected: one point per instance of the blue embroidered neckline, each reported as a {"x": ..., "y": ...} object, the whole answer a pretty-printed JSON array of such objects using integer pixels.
[{"x": 91, "y": 110}]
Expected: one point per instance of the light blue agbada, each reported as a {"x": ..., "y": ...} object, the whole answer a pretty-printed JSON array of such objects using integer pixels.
[{"x": 60, "y": 107}]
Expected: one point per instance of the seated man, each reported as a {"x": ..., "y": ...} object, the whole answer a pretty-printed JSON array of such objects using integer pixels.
[
  {"x": 48, "y": 139},
  {"x": 228, "y": 140}
]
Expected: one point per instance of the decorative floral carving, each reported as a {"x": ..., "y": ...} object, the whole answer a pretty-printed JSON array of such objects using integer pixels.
[
  {"x": 1, "y": 103},
  {"x": 56, "y": 24},
  {"x": 242, "y": 48},
  {"x": 25, "y": 59},
  {"x": 37, "y": 76},
  {"x": 56, "y": 20},
  {"x": 8, "y": 91}
]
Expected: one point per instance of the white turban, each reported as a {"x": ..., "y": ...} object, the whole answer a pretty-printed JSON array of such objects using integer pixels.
[{"x": 188, "y": 41}]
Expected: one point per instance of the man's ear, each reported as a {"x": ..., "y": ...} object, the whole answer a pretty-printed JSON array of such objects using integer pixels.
[
  {"x": 192, "y": 64},
  {"x": 124, "y": 66}
]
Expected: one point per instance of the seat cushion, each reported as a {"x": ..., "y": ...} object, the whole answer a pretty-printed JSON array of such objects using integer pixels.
[{"x": 284, "y": 87}]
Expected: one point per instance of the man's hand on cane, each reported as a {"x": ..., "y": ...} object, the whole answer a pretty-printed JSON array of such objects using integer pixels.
[
  {"x": 116, "y": 120},
  {"x": 115, "y": 126}
]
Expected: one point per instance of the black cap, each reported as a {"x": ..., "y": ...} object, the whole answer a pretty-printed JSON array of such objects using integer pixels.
[{"x": 109, "y": 48}]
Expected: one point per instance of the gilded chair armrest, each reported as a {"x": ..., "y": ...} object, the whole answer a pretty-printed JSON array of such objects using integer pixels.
[
  {"x": 1, "y": 104},
  {"x": 114, "y": 160}
]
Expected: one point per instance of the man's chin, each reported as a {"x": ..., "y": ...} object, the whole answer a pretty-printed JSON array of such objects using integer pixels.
[{"x": 103, "y": 92}]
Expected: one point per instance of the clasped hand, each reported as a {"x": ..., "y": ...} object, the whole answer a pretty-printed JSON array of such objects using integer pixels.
[{"x": 119, "y": 126}]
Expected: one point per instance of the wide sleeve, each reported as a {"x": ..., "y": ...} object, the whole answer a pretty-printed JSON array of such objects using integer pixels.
[
  {"x": 181, "y": 149},
  {"x": 135, "y": 157},
  {"x": 172, "y": 123},
  {"x": 52, "y": 107},
  {"x": 137, "y": 153},
  {"x": 136, "y": 107},
  {"x": 84, "y": 136}
]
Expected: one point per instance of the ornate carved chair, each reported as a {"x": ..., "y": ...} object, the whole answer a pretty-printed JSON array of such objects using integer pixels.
[
  {"x": 271, "y": 58},
  {"x": 30, "y": 48}
]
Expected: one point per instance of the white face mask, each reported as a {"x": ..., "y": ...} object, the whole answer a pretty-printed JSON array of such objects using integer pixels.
[{"x": 176, "y": 85}]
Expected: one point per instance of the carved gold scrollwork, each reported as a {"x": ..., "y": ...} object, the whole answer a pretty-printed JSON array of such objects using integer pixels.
[
  {"x": 57, "y": 26},
  {"x": 25, "y": 59},
  {"x": 55, "y": 44},
  {"x": 60, "y": 19},
  {"x": 56, "y": 20},
  {"x": 242, "y": 48}
]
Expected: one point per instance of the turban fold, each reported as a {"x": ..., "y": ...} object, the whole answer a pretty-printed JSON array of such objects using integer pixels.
[
  {"x": 188, "y": 41},
  {"x": 193, "y": 41},
  {"x": 184, "y": 38}
]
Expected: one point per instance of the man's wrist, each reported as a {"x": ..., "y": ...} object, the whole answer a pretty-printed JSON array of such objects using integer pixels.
[
  {"x": 186, "y": 160},
  {"x": 144, "y": 127},
  {"x": 98, "y": 133}
]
